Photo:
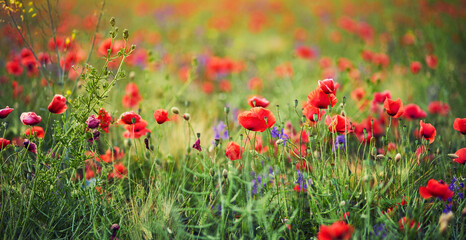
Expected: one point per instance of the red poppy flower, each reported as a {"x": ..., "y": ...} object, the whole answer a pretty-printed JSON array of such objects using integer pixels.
[
  {"x": 305, "y": 52},
  {"x": 255, "y": 83},
  {"x": 432, "y": 61},
  {"x": 460, "y": 125},
  {"x": 427, "y": 131},
  {"x": 327, "y": 86},
  {"x": 105, "y": 119},
  {"x": 440, "y": 108},
  {"x": 379, "y": 97},
  {"x": 129, "y": 118},
  {"x": 119, "y": 171},
  {"x": 319, "y": 99},
  {"x": 58, "y": 104},
  {"x": 234, "y": 151},
  {"x": 132, "y": 96},
  {"x": 413, "y": 111},
  {"x": 407, "y": 222},
  {"x": 255, "y": 119},
  {"x": 14, "y": 68},
  {"x": 338, "y": 124},
  {"x": 337, "y": 231},
  {"x": 309, "y": 111},
  {"x": 394, "y": 108},
  {"x": 38, "y": 131},
  {"x": 161, "y": 116},
  {"x": 30, "y": 118},
  {"x": 5, "y": 112},
  {"x": 436, "y": 189},
  {"x": 112, "y": 155},
  {"x": 367, "y": 55},
  {"x": 107, "y": 45},
  {"x": 358, "y": 93},
  {"x": 461, "y": 153},
  {"x": 256, "y": 101},
  {"x": 3, "y": 143},
  {"x": 415, "y": 67},
  {"x": 138, "y": 129},
  {"x": 297, "y": 188}
]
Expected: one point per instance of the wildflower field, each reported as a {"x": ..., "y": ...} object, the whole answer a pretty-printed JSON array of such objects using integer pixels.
[{"x": 232, "y": 119}]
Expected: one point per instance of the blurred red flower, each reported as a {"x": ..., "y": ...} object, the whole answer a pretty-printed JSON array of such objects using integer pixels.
[
  {"x": 38, "y": 131},
  {"x": 415, "y": 67},
  {"x": 460, "y": 125},
  {"x": 105, "y": 119},
  {"x": 461, "y": 153},
  {"x": 132, "y": 96},
  {"x": 432, "y": 61},
  {"x": 234, "y": 151},
  {"x": 3, "y": 143},
  {"x": 337, "y": 231},
  {"x": 436, "y": 189},
  {"x": 440, "y": 108},
  {"x": 413, "y": 111},
  {"x": 407, "y": 222}
]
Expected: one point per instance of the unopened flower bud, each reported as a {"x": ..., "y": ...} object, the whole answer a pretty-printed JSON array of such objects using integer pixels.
[
  {"x": 112, "y": 22},
  {"x": 92, "y": 122},
  {"x": 225, "y": 173},
  {"x": 453, "y": 156},
  {"x": 186, "y": 116},
  {"x": 279, "y": 141},
  {"x": 227, "y": 110},
  {"x": 398, "y": 157},
  {"x": 125, "y": 34},
  {"x": 132, "y": 74},
  {"x": 342, "y": 203},
  {"x": 175, "y": 110},
  {"x": 380, "y": 156},
  {"x": 373, "y": 151}
]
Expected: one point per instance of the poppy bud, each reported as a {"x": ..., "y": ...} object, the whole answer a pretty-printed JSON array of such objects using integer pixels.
[
  {"x": 398, "y": 157},
  {"x": 380, "y": 156},
  {"x": 186, "y": 116},
  {"x": 5, "y": 112},
  {"x": 175, "y": 110},
  {"x": 92, "y": 122},
  {"x": 225, "y": 173},
  {"x": 279, "y": 141},
  {"x": 112, "y": 21},
  {"x": 342, "y": 203},
  {"x": 373, "y": 151},
  {"x": 226, "y": 110}
]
